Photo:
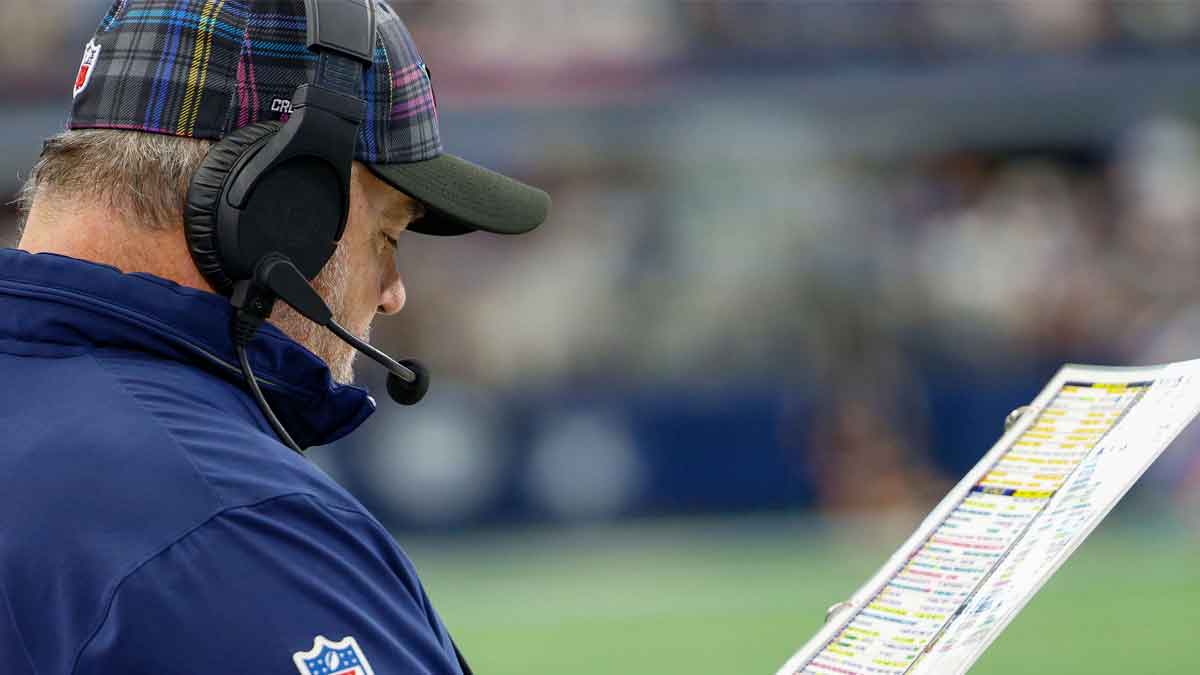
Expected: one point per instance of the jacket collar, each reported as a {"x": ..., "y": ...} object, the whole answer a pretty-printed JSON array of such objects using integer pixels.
[{"x": 80, "y": 304}]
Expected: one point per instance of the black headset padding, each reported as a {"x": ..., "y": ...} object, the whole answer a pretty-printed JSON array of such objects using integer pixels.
[{"x": 200, "y": 211}]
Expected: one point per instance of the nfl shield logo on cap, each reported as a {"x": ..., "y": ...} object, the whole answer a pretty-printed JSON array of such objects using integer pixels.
[
  {"x": 90, "y": 53},
  {"x": 343, "y": 657}
]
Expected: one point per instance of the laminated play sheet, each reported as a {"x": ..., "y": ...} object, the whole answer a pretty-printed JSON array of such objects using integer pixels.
[{"x": 996, "y": 538}]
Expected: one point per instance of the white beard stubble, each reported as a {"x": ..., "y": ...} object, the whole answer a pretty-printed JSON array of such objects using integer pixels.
[{"x": 331, "y": 284}]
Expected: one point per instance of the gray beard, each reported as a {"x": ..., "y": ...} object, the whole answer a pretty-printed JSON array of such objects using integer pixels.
[{"x": 331, "y": 284}]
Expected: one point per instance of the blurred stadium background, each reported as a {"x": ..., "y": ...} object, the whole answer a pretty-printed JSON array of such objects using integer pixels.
[{"x": 804, "y": 258}]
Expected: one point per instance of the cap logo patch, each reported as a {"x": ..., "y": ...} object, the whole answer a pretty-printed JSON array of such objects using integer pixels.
[
  {"x": 90, "y": 53},
  {"x": 343, "y": 657}
]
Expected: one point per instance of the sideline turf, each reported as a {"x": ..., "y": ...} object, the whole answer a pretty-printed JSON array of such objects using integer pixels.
[{"x": 738, "y": 596}]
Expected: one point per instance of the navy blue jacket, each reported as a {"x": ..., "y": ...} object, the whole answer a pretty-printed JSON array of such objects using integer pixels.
[{"x": 150, "y": 522}]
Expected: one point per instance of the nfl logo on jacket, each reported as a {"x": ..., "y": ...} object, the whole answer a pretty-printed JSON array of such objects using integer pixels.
[{"x": 332, "y": 658}]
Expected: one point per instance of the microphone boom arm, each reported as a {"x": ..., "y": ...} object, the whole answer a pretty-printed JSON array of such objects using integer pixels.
[
  {"x": 408, "y": 381},
  {"x": 393, "y": 366}
]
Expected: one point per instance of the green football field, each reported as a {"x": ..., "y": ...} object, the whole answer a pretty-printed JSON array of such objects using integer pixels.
[{"x": 739, "y": 596}]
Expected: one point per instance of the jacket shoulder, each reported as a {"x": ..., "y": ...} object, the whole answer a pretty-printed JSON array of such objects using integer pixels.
[
  {"x": 92, "y": 486},
  {"x": 111, "y": 458},
  {"x": 218, "y": 429},
  {"x": 255, "y": 585}
]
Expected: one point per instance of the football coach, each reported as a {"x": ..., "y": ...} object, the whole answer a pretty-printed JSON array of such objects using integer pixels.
[{"x": 202, "y": 254}]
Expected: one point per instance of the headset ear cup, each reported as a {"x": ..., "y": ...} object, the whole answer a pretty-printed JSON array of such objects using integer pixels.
[{"x": 203, "y": 198}]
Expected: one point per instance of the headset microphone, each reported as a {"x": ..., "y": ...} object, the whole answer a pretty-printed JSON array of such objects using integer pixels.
[
  {"x": 236, "y": 234},
  {"x": 408, "y": 380}
]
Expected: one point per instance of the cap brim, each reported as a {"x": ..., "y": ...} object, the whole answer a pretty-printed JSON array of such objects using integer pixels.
[{"x": 462, "y": 197}]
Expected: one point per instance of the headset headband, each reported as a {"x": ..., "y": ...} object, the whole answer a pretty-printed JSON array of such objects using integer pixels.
[
  {"x": 326, "y": 115},
  {"x": 334, "y": 28}
]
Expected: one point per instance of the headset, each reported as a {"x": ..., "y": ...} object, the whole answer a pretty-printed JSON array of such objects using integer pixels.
[{"x": 267, "y": 207}]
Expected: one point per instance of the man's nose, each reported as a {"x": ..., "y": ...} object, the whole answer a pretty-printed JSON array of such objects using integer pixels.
[{"x": 392, "y": 296}]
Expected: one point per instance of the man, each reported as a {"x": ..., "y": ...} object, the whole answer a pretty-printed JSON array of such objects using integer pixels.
[{"x": 152, "y": 521}]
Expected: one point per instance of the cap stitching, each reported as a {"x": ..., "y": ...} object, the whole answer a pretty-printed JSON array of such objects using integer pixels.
[
  {"x": 122, "y": 81},
  {"x": 232, "y": 79},
  {"x": 198, "y": 68},
  {"x": 112, "y": 15},
  {"x": 385, "y": 153},
  {"x": 370, "y": 83}
]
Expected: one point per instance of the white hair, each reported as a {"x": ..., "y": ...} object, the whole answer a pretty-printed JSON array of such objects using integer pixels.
[{"x": 131, "y": 172}]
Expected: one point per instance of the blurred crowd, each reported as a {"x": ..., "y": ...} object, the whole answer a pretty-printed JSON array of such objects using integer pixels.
[
  {"x": 733, "y": 307},
  {"x": 556, "y": 48}
]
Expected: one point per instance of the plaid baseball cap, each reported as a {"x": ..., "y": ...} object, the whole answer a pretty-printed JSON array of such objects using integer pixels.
[{"x": 203, "y": 68}]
